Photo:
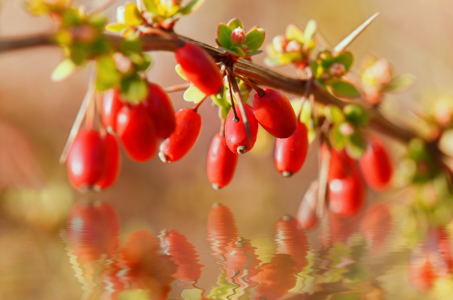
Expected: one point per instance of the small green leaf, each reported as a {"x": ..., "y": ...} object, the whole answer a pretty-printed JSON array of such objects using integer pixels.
[
  {"x": 134, "y": 89},
  {"x": 146, "y": 62},
  {"x": 180, "y": 72},
  {"x": 400, "y": 83},
  {"x": 345, "y": 58},
  {"x": 132, "y": 15},
  {"x": 255, "y": 38},
  {"x": 310, "y": 30},
  {"x": 78, "y": 53},
  {"x": 295, "y": 33},
  {"x": 355, "y": 145},
  {"x": 223, "y": 36},
  {"x": 131, "y": 45},
  {"x": 334, "y": 114},
  {"x": 63, "y": 70},
  {"x": 150, "y": 6},
  {"x": 314, "y": 66},
  {"x": 356, "y": 115},
  {"x": 192, "y": 7},
  {"x": 235, "y": 23},
  {"x": 343, "y": 89},
  {"x": 253, "y": 53},
  {"x": 337, "y": 140},
  {"x": 238, "y": 50},
  {"x": 116, "y": 27},
  {"x": 289, "y": 57},
  {"x": 232, "y": 51},
  {"x": 193, "y": 94},
  {"x": 106, "y": 73}
]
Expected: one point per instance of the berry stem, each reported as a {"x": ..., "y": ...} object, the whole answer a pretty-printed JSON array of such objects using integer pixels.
[
  {"x": 260, "y": 91},
  {"x": 195, "y": 108},
  {"x": 323, "y": 173},
  {"x": 78, "y": 120},
  {"x": 177, "y": 88},
  {"x": 237, "y": 93},
  {"x": 236, "y": 118},
  {"x": 222, "y": 127},
  {"x": 304, "y": 97}
]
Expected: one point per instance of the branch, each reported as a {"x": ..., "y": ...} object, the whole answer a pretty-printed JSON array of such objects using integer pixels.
[{"x": 258, "y": 74}]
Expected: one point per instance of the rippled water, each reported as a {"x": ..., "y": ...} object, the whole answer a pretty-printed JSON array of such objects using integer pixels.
[{"x": 340, "y": 258}]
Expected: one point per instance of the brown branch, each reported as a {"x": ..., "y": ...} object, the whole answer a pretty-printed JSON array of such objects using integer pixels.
[{"x": 258, "y": 74}]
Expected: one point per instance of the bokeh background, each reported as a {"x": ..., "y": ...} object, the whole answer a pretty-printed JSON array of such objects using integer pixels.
[{"x": 36, "y": 115}]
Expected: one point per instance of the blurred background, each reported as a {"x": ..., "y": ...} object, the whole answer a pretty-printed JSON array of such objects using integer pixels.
[{"x": 36, "y": 116}]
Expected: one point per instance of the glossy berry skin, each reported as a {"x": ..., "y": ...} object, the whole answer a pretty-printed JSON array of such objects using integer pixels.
[
  {"x": 346, "y": 191},
  {"x": 199, "y": 68},
  {"x": 235, "y": 132},
  {"x": 160, "y": 107},
  {"x": 375, "y": 165},
  {"x": 179, "y": 143},
  {"x": 221, "y": 163},
  {"x": 274, "y": 112},
  {"x": 112, "y": 162},
  {"x": 290, "y": 153},
  {"x": 86, "y": 160},
  {"x": 136, "y": 132},
  {"x": 111, "y": 105}
]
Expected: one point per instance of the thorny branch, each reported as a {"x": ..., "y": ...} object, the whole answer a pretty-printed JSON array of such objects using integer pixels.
[{"x": 258, "y": 74}]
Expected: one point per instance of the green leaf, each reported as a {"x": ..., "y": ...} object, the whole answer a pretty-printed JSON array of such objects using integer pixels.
[
  {"x": 355, "y": 145},
  {"x": 356, "y": 115},
  {"x": 400, "y": 83},
  {"x": 115, "y": 27},
  {"x": 238, "y": 50},
  {"x": 107, "y": 75},
  {"x": 314, "y": 66},
  {"x": 134, "y": 89},
  {"x": 294, "y": 33},
  {"x": 150, "y": 6},
  {"x": 192, "y": 7},
  {"x": 180, "y": 72},
  {"x": 254, "y": 53},
  {"x": 255, "y": 38},
  {"x": 146, "y": 62},
  {"x": 223, "y": 35},
  {"x": 337, "y": 140},
  {"x": 232, "y": 51},
  {"x": 345, "y": 58},
  {"x": 289, "y": 57},
  {"x": 131, "y": 45},
  {"x": 334, "y": 114},
  {"x": 343, "y": 89},
  {"x": 63, "y": 70},
  {"x": 132, "y": 15},
  {"x": 78, "y": 53},
  {"x": 193, "y": 94},
  {"x": 235, "y": 23},
  {"x": 310, "y": 30}
]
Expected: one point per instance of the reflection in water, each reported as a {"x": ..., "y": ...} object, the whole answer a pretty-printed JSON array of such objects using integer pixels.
[{"x": 347, "y": 262}]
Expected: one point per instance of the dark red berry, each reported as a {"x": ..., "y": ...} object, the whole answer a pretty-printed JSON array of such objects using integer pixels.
[
  {"x": 160, "y": 107},
  {"x": 112, "y": 162},
  {"x": 235, "y": 132},
  {"x": 179, "y": 143},
  {"x": 274, "y": 112},
  {"x": 221, "y": 163},
  {"x": 199, "y": 68},
  {"x": 111, "y": 105},
  {"x": 86, "y": 159},
  {"x": 290, "y": 153},
  {"x": 375, "y": 165},
  {"x": 136, "y": 132}
]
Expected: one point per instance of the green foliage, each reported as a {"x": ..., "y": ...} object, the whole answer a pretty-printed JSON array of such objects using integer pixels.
[{"x": 342, "y": 89}]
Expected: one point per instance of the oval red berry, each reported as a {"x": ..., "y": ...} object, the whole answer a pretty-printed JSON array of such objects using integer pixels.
[
  {"x": 236, "y": 134},
  {"x": 221, "y": 162}
]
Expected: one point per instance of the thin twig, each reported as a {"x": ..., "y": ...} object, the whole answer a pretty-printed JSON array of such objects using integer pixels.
[
  {"x": 78, "y": 120},
  {"x": 233, "y": 107},
  {"x": 260, "y": 91},
  {"x": 353, "y": 35},
  {"x": 177, "y": 88},
  {"x": 195, "y": 108},
  {"x": 323, "y": 173},
  {"x": 304, "y": 97}
]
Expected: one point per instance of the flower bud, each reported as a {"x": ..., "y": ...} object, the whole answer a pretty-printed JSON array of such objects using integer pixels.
[
  {"x": 279, "y": 42},
  {"x": 294, "y": 46},
  {"x": 337, "y": 70},
  {"x": 245, "y": 48},
  {"x": 238, "y": 36},
  {"x": 346, "y": 129},
  {"x": 382, "y": 71}
]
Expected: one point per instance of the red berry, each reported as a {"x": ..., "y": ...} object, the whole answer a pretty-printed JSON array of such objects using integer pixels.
[
  {"x": 376, "y": 225},
  {"x": 136, "y": 131},
  {"x": 221, "y": 163},
  {"x": 111, "y": 105},
  {"x": 346, "y": 192},
  {"x": 241, "y": 262},
  {"x": 86, "y": 159},
  {"x": 290, "y": 153},
  {"x": 92, "y": 231},
  {"x": 199, "y": 68},
  {"x": 221, "y": 228},
  {"x": 375, "y": 165},
  {"x": 112, "y": 162},
  {"x": 235, "y": 132},
  {"x": 160, "y": 107},
  {"x": 179, "y": 143},
  {"x": 275, "y": 113}
]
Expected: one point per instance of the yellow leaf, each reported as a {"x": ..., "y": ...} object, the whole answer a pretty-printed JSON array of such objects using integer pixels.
[
  {"x": 180, "y": 72},
  {"x": 193, "y": 94},
  {"x": 63, "y": 70}
]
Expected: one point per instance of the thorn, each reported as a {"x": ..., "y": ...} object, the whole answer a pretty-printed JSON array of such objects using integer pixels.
[
  {"x": 163, "y": 157},
  {"x": 353, "y": 35},
  {"x": 287, "y": 174},
  {"x": 242, "y": 149}
]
